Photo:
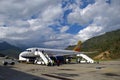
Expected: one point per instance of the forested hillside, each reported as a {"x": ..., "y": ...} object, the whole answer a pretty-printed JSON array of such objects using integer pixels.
[
  {"x": 7, "y": 49},
  {"x": 109, "y": 42}
]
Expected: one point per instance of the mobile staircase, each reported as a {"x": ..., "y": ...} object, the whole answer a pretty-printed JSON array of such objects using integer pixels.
[
  {"x": 44, "y": 58},
  {"x": 88, "y": 59}
]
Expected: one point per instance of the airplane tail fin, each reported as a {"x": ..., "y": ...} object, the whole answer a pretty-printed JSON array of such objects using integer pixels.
[{"x": 78, "y": 46}]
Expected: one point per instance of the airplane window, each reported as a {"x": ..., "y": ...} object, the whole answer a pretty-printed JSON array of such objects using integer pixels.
[
  {"x": 36, "y": 49},
  {"x": 29, "y": 50}
]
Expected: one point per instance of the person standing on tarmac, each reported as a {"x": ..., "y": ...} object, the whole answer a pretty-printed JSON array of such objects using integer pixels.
[{"x": 58, "y": 63}]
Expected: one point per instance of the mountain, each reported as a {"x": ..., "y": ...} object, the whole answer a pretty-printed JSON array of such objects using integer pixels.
[
  {"x": 108, "y": 42},
  {"x": 7, "y": 49}
]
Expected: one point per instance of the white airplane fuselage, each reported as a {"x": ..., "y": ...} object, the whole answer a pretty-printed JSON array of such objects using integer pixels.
[{"x": 33, "y": 54}]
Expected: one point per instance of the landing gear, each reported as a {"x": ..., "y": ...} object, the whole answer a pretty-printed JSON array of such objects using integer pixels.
[{"x": 5, "y": 63}]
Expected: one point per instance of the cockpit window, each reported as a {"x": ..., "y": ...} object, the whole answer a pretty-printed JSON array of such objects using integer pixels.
[{"x": 29, "y": 50}]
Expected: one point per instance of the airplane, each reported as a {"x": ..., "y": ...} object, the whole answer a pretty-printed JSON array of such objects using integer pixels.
[{"x": 48, "y": 56}]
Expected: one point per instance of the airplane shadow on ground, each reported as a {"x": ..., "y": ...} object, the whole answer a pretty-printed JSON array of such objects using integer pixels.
[{"x": 7, "y": 73}]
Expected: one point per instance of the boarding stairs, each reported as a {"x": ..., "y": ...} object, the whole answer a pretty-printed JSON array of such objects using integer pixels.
[
  {"x": 45, "y": 58},
  {"x": 88, "y": 59},
  {"x": 49, "y": 59}
]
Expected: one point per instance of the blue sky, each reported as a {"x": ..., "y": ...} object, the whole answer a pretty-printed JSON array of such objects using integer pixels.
[{"x": 56, "y": 23}]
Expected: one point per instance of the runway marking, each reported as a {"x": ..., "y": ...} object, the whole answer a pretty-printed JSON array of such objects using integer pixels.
[
  {"x": 67, "y": 69},
  {"x": 111, "y": 74},
  {"x": 58, "y": 77}
]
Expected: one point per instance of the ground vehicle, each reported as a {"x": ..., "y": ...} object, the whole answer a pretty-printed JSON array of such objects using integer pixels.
[{"x": 8, "y": 61}]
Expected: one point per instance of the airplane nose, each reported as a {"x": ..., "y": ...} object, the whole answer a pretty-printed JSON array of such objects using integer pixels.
[
  {"x": 24, "y": 54},
  {"x": 27, "y": 54}
]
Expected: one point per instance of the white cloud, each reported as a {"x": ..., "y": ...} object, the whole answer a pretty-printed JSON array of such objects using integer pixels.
[
  {"x": 61, "y": 41},
  {"x": 100, "y": 17},
  {"x": 26, "y": 22},
  {"x": 89, "y": 32},
  {"x": 17, "y": 25},
  {"x": 64, "y": 29},
  {"x": 51, "y": 13}
]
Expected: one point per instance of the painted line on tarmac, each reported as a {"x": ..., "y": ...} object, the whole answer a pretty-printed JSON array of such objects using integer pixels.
[{"x": 58, "y": 77}]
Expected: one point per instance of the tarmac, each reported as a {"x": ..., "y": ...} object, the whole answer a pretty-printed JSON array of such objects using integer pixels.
[{"x": 105, "y": 70}]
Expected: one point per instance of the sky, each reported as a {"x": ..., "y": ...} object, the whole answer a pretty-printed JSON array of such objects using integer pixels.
[{"x": 56, "y": 23}]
